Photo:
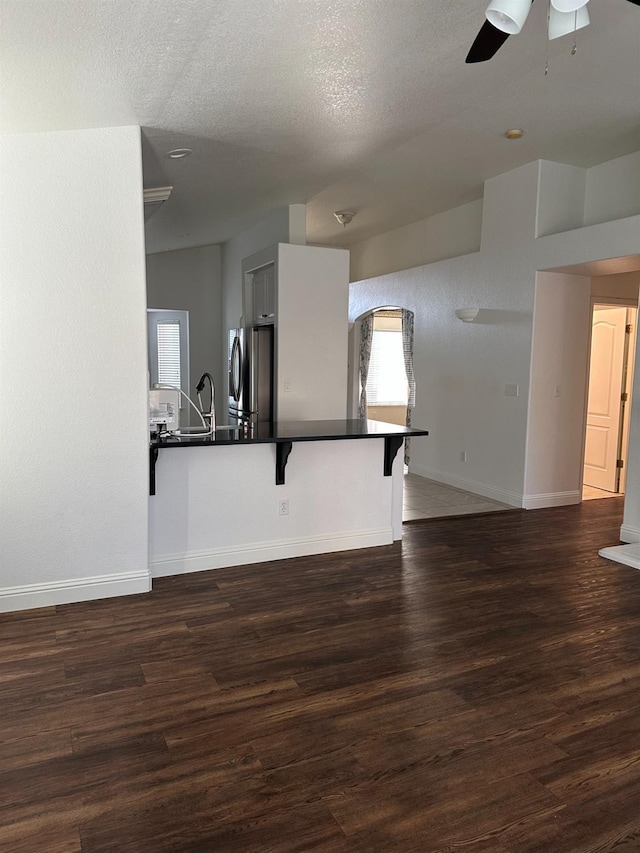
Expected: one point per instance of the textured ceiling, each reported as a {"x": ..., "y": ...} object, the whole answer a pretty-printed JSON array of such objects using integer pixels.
[{"x": 360, "y": 104}]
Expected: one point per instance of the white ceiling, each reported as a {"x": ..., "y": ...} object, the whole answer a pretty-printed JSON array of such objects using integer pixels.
[{"x": 359, "y": 104}]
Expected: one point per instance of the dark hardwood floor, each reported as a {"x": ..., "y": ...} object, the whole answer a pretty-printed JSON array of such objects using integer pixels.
[{"x": 476, "y": 688}]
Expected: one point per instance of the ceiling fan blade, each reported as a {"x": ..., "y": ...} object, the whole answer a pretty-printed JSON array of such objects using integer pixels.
[
  {"x": 490, "y": 39},
  {"x": 488, "y": 42}
]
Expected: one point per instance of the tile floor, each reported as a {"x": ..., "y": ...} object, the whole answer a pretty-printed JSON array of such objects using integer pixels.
[
  {"x": 427, "y": 499},
  {"x": 590, "y": 493}
]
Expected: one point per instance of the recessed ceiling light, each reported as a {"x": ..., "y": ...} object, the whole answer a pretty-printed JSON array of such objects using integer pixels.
[
  {"x": 178, "y": 153},
  {"x": 515, "y": 133}
]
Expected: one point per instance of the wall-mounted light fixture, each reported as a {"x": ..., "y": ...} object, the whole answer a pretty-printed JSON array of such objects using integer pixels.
[{"x": 467, "y": 315}]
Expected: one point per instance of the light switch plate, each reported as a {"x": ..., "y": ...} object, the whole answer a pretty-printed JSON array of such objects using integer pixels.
[{"x": 511, "y": 390}]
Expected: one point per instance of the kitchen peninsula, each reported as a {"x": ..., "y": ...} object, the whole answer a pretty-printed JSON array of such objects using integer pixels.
[{"x": 234, "y": 499}]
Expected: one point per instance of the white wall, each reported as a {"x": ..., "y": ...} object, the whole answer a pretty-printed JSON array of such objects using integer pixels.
[
  {"x": 559, "y": 362},
  {"x": 613, "y": 190},
  {"x": 624, "y": 286},
  {"x": 462, "y": 369},
  {"x": 312, "y": 336},
  {"x": 74, "y": 465},
  {"x": 445, "y": 235},
  {"x": 510, "y": 214},
  {"x": 190, "y": 280},
  {"x": 561, "y": 195}
]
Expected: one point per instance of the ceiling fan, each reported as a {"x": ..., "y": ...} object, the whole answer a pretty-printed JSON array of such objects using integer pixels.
[{"x": 506, "y": 17}]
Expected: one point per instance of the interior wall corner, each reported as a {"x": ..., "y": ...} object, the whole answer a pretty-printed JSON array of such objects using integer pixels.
[{"x": 509, "y": 209}]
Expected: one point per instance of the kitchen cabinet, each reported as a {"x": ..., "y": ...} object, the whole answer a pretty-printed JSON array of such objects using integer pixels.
[{"x": 264, "y": 295}]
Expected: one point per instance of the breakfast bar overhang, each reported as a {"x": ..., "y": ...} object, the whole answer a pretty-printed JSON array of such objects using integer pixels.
[
  {"x": 283, "y": 435},
  {"x": 215, "y": 503}
]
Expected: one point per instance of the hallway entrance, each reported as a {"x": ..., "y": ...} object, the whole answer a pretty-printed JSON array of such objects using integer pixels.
[{"x": 609, "y": 400}]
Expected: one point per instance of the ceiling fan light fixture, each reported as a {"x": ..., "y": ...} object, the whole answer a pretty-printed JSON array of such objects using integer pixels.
[
  {"x": 563, "y": 23},
  {"x": 508, "y": 15},
  {"x": 568, "y": 5}
]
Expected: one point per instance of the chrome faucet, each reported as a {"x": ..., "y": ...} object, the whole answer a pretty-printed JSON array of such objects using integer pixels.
[{"x": 210, "y": 416}]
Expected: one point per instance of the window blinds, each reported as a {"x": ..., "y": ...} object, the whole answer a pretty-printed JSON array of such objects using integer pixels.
[
  {"x": 387, "y": 379},
  {"x": 169, "y": 353}
]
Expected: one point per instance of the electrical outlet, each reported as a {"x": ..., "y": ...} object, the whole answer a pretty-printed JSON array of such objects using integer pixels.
[
  {"x": 288, "y": 385},
  {"x": 463, "y": 455},
  {"x": 512, "y": 390},
  {"x": 283, "y": 507}
]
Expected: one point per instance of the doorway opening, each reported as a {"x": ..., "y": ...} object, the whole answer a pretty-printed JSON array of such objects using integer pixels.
[
  {"x": 613, "y": 339},
  {"x": 387, "y": 384},
  {"x": 381, "y": 381}
]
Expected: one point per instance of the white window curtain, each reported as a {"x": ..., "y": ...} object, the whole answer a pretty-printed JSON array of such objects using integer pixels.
[
  {"x": 407, "y": 350},
  {"x": 366, "y": 338}
]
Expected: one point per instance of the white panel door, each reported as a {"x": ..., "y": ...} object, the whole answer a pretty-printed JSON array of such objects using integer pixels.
[{"x": 605, "y": 395}]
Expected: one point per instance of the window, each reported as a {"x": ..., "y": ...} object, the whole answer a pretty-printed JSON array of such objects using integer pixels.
[
  {"x": 168, "y": 349},
  {"x": 387, "y": 379},
  {"x": 168, "y": 333}
]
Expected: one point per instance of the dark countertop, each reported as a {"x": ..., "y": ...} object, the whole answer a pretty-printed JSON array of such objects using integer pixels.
[{"x": 288, "y": 431}]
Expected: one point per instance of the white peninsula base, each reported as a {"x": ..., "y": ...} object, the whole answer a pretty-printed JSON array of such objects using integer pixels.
[{"x": 219, "y": 506}]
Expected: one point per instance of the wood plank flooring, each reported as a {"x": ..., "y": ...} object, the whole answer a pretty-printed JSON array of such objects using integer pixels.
[{"x": 476, "y": 688}]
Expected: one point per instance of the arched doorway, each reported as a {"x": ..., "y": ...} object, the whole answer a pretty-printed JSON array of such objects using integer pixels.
[
  {"x": 383, "y": 387},
  {"x": 381, "y": 360},
  {"x": 387, "y": 388},
  {"x": 381, "y": 378}
]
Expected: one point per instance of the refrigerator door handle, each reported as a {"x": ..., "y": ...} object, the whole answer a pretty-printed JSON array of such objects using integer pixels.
[{"x": 235, "y": 370}]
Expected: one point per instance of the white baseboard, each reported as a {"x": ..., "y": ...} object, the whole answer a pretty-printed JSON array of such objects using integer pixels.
[
  {"x": 629, "y": 534},
  {"x": 264, "y": 552},
  {"x": 502, "y": 495},
  {"x": 551, "y": 499},
  {"x": 628, "y": 555},
  {"x": 69, "y": 591}
]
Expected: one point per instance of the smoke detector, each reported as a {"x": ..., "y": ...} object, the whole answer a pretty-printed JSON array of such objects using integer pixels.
[{"x": 344, "y": 217}]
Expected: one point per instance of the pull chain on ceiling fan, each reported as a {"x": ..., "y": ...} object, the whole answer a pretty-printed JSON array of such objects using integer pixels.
[{"x": 507, "y": 17}]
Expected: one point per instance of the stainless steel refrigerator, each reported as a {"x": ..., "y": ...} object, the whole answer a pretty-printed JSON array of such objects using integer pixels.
[{"x": 251, "y": 375}]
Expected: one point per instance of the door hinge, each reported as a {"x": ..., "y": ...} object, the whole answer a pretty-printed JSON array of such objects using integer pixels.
[
  {"x": 624, "y": 396},
  {"x": 619, "y": 463},
  {"x": 628, "y": 328}
]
